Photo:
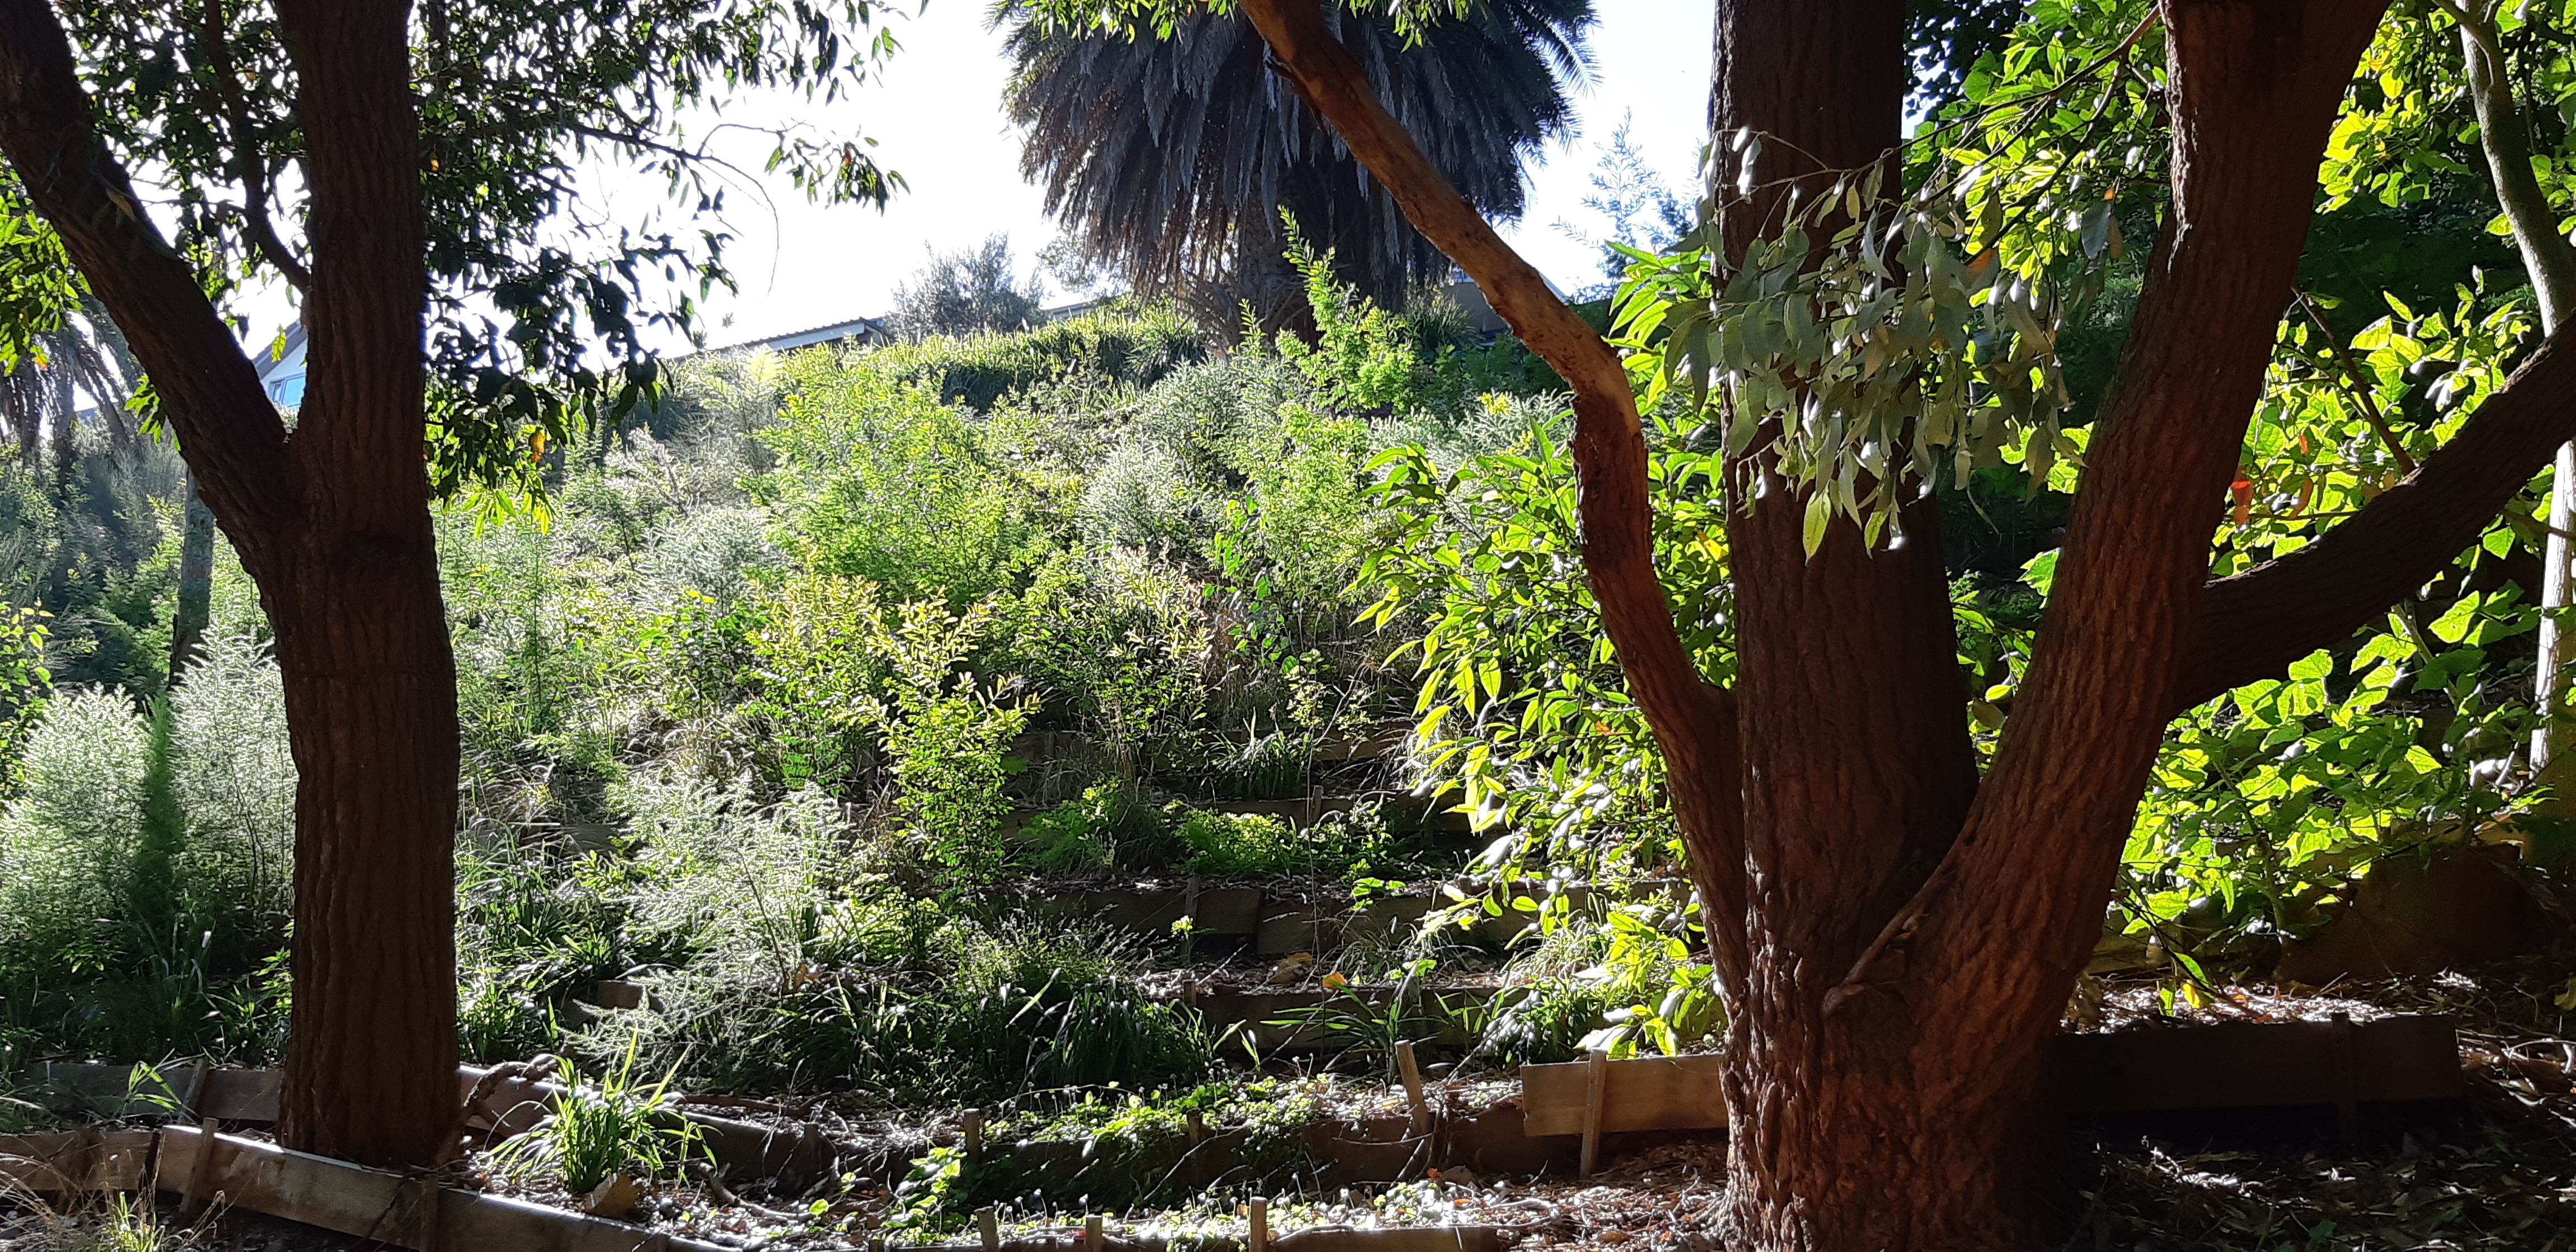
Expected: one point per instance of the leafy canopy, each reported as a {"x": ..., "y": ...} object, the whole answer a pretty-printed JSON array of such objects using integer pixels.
[{"x": 537, "y": 304}]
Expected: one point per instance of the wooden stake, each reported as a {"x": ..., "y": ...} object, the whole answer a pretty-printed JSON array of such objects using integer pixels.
[
  {"x": 1259, "y": 1240},
  {"x": 196, "y": 1089},
  {"x": 989, "y": 1224},
  {"x": 1413, "y": 1097},
  {"x": 974, "y": 1127},
  {"x": 1091, "y": 1233},
  {"x": 197, "y": 1170},
  {"x": 1190, "y": 914},
  {"x": 424, "y": 1194},
  {"x": 1596, "y": 1084}
]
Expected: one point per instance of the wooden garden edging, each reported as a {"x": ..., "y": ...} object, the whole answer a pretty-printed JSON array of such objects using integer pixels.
[
  {"x": 421, "y": 1214},
  {"x": 1318, "y": 1239},
  {"x": 2235, "y": 1065},
  {"x": 317, "y": 1191},
  {"x": 796, "y": 1156}
]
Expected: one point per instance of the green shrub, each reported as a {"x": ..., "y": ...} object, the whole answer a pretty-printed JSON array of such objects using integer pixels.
[
  {"x": 67, "y": 844},
  {"x": 1129, "y": 346},
  {"x": 1257, "y": 845},
  {"x": 884, "y": 482},
  {"x": 24, "y": 680},
  {"x": 715, "y": 553},
  {"x": 1072, "y": 836},
  {"x": 1122, "y": 644},
  {"x": 743, "y": 883},
  {"x": 234, "y": 776},
  {"x": 1544, "y": 1022},
  {"x": 144, "y": 867},
  {"x": 536, "y": 925}
]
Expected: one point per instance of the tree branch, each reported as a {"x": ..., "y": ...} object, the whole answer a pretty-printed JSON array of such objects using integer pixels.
[
  {"x": 248, "y": 164},
  {"x": 228, "y": 431},
  {"x": 2506, "y": 141},
  {"x": 2257, "y": 622},
  {"x": 1694, "y": 721}
]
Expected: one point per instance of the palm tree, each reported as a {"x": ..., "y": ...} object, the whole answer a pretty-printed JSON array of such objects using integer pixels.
[{"x": 1170, "y": 160}]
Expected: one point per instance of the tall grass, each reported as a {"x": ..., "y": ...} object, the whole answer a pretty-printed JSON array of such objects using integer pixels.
[{"x": 619, "y": 1125}]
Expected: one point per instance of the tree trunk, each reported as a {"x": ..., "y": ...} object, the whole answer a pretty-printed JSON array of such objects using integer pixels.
[
  {"x": 22, "y": 402},
  {"x": 1857, "y": 768},
  {"x": 1945, "y": 1015},
  {"x": 371, "y": 711},
  {"x": 1884, "y": 1089},
  {"x": 361, "y": 632},
  {"x": 188, "y": 622},
  {"x": 333, "y": 522},
  {"x": 66, "y": 422}
]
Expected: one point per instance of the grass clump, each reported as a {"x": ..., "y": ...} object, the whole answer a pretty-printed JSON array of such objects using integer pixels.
[
  {"x": 116, "y": 1223},
  {"x": 617, "y": 1126}
]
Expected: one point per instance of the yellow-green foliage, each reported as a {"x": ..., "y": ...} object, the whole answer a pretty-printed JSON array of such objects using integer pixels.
[
  {"x": 1123, "y": 345},
  {"x": 879, "y": 479}
]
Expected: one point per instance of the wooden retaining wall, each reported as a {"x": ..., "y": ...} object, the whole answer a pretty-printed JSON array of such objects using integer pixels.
[{"x": 201, "y": 1167}]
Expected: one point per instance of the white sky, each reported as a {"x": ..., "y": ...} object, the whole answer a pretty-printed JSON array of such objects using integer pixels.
[{"x": 937, "y": 118}]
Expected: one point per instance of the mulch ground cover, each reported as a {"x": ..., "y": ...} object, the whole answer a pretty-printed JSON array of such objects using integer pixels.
[{"x": 2497, "y": 1171}]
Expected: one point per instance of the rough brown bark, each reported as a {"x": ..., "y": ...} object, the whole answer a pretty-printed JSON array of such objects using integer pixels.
[
  {"x": 1857, "y": 763},
  {"x": 361, "y": 631},
  {"x": 1882, "y": 1091},
  {"x": 333, "y": 523},
  {"x": 2256, "y": 623},
  {"x": 2000, "y": 931}
]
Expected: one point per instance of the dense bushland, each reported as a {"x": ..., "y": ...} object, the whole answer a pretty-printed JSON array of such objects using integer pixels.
[
  {"x": 800, "y": 666},
  {"x": 794, "y": 669}
]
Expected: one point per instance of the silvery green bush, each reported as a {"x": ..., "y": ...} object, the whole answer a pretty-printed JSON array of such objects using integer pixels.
[
  {"x": 67, "y": 843},
  {"x": 235, "y": 775}
]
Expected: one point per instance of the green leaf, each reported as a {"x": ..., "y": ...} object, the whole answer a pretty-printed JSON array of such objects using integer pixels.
[{"x": 2453, "y": 626}]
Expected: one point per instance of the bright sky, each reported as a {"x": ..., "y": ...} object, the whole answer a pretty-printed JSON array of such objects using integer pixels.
[
  {"x": 935, "y": 114},
  {"x": 937, "y": 118}
]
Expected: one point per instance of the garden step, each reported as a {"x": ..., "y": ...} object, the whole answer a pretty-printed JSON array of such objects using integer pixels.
[
  {"x": 1281, "y": 920},
  {"x": 2231, "y": 1065}
]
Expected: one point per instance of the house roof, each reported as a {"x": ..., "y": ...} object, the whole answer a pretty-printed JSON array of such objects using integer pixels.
[{"x": 857, "y": 326}]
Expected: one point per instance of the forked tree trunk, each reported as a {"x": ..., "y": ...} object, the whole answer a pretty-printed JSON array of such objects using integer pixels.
[
  {"x": 333, "y": 522},
  {"x": 1896, "y": 939},
  {"x": 1902, "y": 1110}
]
